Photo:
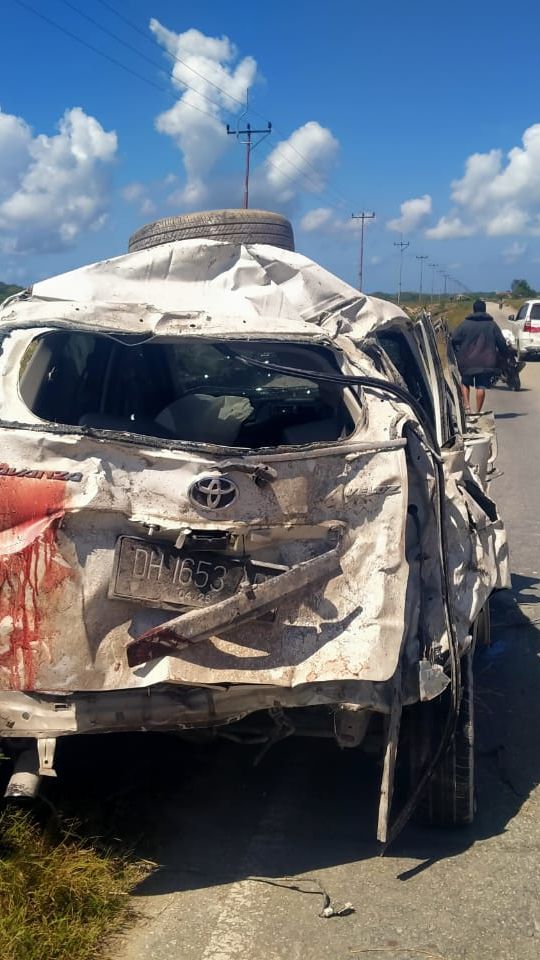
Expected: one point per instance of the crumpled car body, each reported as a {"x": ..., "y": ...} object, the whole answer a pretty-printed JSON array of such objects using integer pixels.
[{"x": 204, "y": 514}]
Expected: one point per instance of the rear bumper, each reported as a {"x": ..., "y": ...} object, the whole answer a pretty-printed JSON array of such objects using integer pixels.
[
  {"x": 529, "y": 345},
  {"x": 170, "y": 708}
]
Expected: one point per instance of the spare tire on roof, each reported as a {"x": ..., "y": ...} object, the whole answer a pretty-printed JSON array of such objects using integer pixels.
[{"x": 235, "y": 226}]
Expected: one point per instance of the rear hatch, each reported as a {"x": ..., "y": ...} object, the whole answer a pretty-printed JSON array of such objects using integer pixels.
[{"x": 149, "y": 476}]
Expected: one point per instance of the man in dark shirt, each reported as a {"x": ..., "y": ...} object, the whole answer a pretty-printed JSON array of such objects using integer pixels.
[{"x": 480, "y": 347}]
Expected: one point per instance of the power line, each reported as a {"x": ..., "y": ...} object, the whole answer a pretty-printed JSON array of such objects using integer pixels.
[
  {"x": 106, "y": 56},
  {"x": 139, "y": 53},
  {"x": 303, "y": 173},
  {"x": 139, "y": 76},
  {"x": 152, "y": 83},
  {"x": 74, "y": 36},
  {"x": 161, "y": 88},
  {"x": 151, "y": 39}
]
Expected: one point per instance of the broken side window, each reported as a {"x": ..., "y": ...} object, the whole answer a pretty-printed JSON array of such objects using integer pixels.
[
  {"x": 399, "y": 350},
  {"x": 194, "y": 390}
]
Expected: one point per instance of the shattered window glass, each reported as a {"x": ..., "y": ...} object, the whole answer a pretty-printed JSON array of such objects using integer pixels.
[
  {"x": 398, "y": 349},
  {"x": 185, "y": 389}
]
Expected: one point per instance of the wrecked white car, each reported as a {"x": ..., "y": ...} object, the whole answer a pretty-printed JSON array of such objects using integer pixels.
[{"x": 236, "y": 493}]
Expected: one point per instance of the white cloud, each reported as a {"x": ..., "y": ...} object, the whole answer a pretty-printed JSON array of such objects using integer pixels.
[
  {"x": 515, "y": 251},
  {"x": 15, "y": 140},
  {"x": 413, "y": 211},
  {"x": 448, "y": 227},
  {"x": 315, "y": 219},
  {"x": 288, "y": 169},
  {"x": 53, "y": 188},
  {"x": 133, "y": 192},
  {"x": 196, "y": 123},
  {"x": 328, "y": 220},
  {"x": 506, "y": 221},
  {"x": 497, "y": 195},
  {"x": 136, "y": 193}
]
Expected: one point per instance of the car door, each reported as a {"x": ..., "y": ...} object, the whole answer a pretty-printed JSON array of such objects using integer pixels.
[{"x": 477, "y": 547}]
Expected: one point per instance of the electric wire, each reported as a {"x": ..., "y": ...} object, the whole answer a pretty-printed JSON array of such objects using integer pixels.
[
  {"x": 143, "y": 56},
  {"x": 197, "y": 73},
  {"x": 152, "y": 83},
  {"x": 152, "y": 39},
  {"x": 106, "y": 56}
]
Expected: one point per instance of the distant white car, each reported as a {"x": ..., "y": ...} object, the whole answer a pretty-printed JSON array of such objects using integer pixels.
[{"x": 526, "y": 328}]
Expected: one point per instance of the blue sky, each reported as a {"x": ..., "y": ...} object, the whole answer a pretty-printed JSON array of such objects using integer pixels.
[{"x": 426, "y": 113}]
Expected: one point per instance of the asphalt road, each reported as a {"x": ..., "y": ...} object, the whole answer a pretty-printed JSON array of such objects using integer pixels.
[{"x": 212, "y": 820}]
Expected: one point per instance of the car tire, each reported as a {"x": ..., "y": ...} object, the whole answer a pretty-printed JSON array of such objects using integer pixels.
[
  {"x": 449, "y": 797},
  {"x": 449, "y": 800},
  {"x": 482, "y": 628},
  {"x": 236, "y": 226}
]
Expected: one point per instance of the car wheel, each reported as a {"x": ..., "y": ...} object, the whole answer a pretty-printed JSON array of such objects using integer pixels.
[
  {"x": 449, "y": 798},
  {"x": 482, "y": 628},
  {"x": 236, "y": 226}
]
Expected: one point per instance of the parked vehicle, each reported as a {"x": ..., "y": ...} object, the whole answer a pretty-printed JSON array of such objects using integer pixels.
[
  {"x": 527, "y": 328},
  {"x": 237, "y": 494},
  {"x": 509, "y": 372}
]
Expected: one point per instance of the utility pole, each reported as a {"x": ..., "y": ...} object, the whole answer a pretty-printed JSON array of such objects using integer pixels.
[
  {"x": 446, "y": 277},
  {"x": 402, "y": 244},
  {"x": 250, "y": 146},
  {"x": 433, "y": 268},
  {"x": 362, "y": 217},
  {"x": 421, "y": 259},
  {"x": 440, "y": 284}
]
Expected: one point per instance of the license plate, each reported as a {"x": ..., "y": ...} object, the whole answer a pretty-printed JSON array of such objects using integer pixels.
[{"x": 160, "y": 575}]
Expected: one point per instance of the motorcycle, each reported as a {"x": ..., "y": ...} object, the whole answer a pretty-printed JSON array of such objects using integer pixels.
[{"x": 509, "y": 371}]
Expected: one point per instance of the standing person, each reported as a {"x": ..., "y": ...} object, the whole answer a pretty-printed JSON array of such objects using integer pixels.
[{"x": 480, "y": 348}]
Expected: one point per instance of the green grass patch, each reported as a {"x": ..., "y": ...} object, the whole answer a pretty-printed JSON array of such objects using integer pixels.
[
  {"x": 455, "y": 312},
  {"x": 61, "y": 896},
  {"x": 7, "y": 290},
  {"x": 515, "y": 304}
]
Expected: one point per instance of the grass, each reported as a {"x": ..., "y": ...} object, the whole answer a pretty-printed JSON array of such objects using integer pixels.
[
  {"x": 61, "y": 897},
  {"x": 454, "y": 311}
]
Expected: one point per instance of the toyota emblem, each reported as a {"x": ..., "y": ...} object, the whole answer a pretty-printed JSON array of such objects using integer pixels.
[{"x": 213, "y": 492}]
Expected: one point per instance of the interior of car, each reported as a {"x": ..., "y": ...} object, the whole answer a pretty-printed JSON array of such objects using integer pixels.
[{"x": 192, "y": 390}]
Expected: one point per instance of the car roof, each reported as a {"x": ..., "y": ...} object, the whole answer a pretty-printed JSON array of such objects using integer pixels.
[{"x": 210, "y": 288}]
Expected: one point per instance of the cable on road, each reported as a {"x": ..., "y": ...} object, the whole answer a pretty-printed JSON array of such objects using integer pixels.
[{"x": 293, "y": 883}]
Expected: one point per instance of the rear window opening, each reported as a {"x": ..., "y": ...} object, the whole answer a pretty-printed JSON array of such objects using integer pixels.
[{"x": 190, "y": 390}]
